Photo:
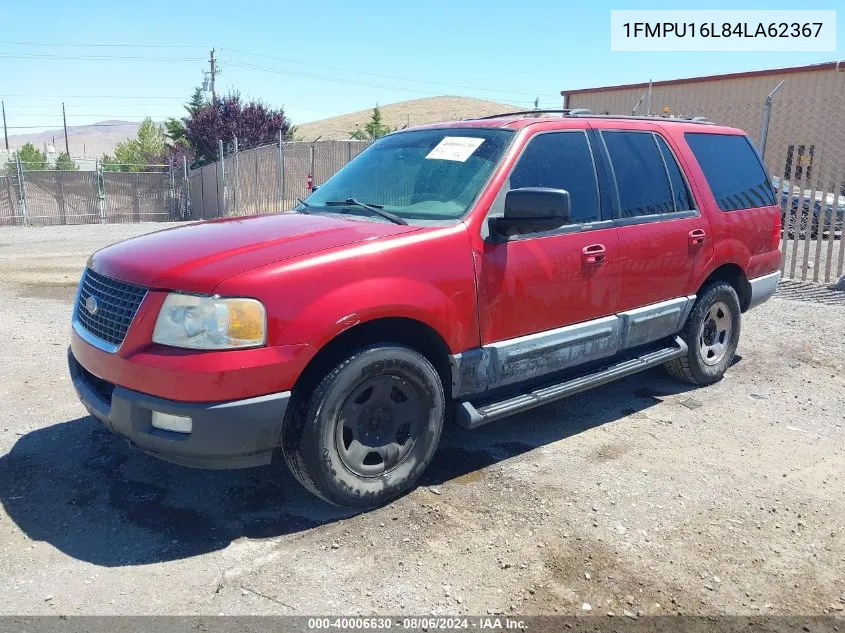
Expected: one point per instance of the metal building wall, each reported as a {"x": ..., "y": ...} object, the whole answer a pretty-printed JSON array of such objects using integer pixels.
[{"x": 808, "y": 112}]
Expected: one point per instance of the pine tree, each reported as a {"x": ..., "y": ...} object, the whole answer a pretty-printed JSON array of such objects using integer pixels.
[
  {"x": 65, "y": 163},
  {"x": 32, "y": 159},
  {"x": 374, "y": 128}
]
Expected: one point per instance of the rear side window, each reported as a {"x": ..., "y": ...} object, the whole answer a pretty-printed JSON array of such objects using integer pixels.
[
  {"x": 561, "y": 160},
  {"x": 641, "y": 176},
  {"x": 683, "y": 199},
  {"x": 733, "y": 170}
]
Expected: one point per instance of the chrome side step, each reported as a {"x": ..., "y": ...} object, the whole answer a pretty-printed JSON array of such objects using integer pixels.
[{"x": 470, "y": 417}]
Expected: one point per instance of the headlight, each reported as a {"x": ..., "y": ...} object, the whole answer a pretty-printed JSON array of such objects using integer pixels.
[{"x": 210, "y": 322}]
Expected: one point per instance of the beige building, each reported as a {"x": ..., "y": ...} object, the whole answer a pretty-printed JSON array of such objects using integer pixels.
[{"x": 806, "y": 137}]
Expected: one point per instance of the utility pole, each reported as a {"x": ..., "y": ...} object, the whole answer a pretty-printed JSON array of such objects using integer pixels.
[
  {"x": 64, "y": 118},
  {"x": 5, "y": 131},
  {"x": 212, "y": 74}
]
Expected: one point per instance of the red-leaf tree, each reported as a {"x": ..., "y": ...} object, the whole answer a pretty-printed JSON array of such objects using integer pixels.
[{"x": 253, "y": 123}]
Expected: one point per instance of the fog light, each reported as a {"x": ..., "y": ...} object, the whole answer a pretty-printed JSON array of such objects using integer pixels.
[{"x": 169, "y": 422}]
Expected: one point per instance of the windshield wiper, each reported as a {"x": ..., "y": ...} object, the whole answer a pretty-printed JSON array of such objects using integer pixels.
[
  {"x": 304, "y": 204},
  {"x": 375, "y": 208}
]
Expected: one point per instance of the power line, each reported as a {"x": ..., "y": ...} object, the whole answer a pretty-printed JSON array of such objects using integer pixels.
[
  {"x": 105, "y": 116},
  {"x": 40, "y": 106},
  {"x": 41, "y": 127},
  {"x": 90, "y": 96},
  {"x": 101, "y": 58},
  {"x": 380, "y": 75},
  {"x": 124, "y": 45},
  {"x": 353, "y": 82},
  {"x": 214, "y": 70}
]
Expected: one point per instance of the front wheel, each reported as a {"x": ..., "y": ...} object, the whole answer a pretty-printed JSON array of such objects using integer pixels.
[
  {"x": 711, "y": 334},
  {"x": 369, "y": 430}
]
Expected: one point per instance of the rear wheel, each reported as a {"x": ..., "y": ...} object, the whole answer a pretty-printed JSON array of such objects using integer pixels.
[
  {"x": 369, "y": 429},
  {"x": 711, "y": 334}
]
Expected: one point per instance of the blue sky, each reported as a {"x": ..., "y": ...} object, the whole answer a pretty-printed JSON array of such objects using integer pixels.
[{"x": 323, "y": 57}]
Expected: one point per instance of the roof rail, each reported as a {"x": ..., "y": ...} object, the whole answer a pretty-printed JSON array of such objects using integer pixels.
[
  {"x": 650, "y": 117},
  {"x": 521, "y": 112},
  {"x": 585, "y": 112}
]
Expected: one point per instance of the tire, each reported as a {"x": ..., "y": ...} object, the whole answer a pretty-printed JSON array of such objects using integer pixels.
[
  {"x": 711, "y": 333},
  {"x": 369, "y": 430}
]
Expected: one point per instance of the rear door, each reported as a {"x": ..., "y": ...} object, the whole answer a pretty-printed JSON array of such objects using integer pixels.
[
  {"x": 664, "y": 239},
  {"x": 743, "y": 211}
]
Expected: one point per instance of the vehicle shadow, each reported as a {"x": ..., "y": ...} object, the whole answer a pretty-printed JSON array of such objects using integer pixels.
[{"x": 84, "y": 491}]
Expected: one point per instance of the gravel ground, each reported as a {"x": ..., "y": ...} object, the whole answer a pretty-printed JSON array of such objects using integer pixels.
[{"x": 644, "y": 496}]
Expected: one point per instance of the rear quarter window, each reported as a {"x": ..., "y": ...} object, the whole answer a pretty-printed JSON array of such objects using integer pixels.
[{"x": 733, "y": 170}]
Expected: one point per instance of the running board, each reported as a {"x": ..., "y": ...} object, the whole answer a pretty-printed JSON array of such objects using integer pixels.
[{"x": 470, "y": 417}]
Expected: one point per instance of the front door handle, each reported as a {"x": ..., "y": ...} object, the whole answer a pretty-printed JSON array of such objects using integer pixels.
[
  {"x": 594, "y": 254},
  {"x": 696, "y": 237}
]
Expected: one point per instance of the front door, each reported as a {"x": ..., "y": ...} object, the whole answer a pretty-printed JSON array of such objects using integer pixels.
[{"x": 532, "y": 286}]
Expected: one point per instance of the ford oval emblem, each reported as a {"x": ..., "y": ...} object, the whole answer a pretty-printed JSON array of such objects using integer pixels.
[{"x": 91, "y": 305}]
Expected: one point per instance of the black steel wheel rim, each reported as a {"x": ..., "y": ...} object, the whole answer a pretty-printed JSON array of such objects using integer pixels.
[{"x": 378, "y": 424}]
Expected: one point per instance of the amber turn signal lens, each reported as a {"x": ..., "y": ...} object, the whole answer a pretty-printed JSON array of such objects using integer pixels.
[{"x": 246, "y": 320}]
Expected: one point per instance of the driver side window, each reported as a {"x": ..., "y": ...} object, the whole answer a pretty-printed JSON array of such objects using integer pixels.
[{"x": 560, "y": 160}]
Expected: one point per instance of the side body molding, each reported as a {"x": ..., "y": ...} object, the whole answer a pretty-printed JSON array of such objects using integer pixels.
[
  {"x": 653, "y": 322},
  {"x": 536, "y": 355}
]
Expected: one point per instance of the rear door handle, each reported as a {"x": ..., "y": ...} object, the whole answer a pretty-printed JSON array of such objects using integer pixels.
[
  {"x": 594, "y": 254},
  {"x": 696, "y": 237}
]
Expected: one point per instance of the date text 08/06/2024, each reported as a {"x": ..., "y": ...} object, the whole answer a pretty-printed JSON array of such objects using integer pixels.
[{"x": 423, "y": 622}]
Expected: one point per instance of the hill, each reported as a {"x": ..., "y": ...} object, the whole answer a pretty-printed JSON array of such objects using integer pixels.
[
  {"x": 413, "y": 112},
  {"x": 90, "y": 140},
  {"x": 101, "y": 138}
]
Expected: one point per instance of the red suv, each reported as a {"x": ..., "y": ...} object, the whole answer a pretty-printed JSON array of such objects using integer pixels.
[{"x": 479, "y": 268}]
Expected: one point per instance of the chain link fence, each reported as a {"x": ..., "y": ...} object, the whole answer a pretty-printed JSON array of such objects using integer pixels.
[
  {"x": 806, "y": 156},
  {"x": 47, "y": 197},
  {"x": 266, "y": 179}
]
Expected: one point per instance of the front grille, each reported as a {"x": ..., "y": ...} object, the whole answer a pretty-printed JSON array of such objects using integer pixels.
[{"x": 116, "y": 305}]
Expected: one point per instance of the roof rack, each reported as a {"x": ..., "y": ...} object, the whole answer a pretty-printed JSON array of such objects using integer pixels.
[
  {"x": 521, "y": 112},
  {"x": 584, "y": 112},
  {"x": 653, "y": 117}
]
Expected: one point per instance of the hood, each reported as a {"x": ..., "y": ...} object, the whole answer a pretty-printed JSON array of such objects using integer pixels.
[{"x": 196, "y": 258}]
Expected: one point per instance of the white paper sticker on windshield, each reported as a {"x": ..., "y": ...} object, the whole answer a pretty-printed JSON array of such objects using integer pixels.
[{"x": 457, "y": 148}]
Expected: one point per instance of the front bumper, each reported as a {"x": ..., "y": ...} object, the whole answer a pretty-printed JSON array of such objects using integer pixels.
[{"x": 233, "y": 434}]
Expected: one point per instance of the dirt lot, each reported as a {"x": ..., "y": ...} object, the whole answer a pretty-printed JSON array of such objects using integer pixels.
[{"x": 643, "y": 496}]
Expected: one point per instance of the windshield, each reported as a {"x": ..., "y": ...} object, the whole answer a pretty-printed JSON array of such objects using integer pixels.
[{"x": 424, "y": 174}]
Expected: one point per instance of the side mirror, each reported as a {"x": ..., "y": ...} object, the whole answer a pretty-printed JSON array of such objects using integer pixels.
[{"x": 532, "y": 210}]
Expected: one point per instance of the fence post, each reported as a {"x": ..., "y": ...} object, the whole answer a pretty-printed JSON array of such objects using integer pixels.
[
  {"x": 237, "y": 178},
  {"x": 221, "y": 180},
  {"x": 257, "y": 205},
  {"x": 21, "y": 190},
  {"x": 311, "y": 170},
  {"x": 62, "y": 208},
  {"x": 186, "y": 187},
  {"x": 764, "y": 127},
  {"x": 136, "y": 195},
  {"x": 281, "y": 171},
  {"x": 101, "y": 192},
  {"x": 348, "y": 151},
  {"x": 172, "y": 190}
]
